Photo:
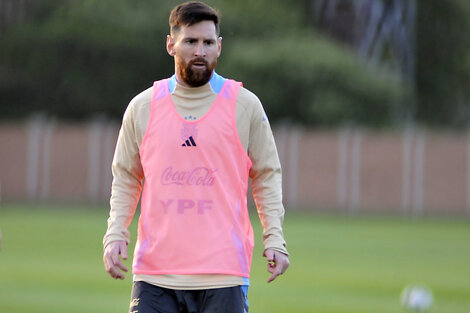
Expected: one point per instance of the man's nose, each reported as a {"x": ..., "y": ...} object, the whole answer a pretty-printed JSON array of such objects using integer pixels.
[{"x": 200, "y": 50}]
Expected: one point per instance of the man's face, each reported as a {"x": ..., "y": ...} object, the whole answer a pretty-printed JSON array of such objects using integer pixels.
[{"x": 195, "y": 49}]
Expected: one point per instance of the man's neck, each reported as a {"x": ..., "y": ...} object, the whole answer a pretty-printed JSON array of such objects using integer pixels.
[{"x": 216, "y": 83}]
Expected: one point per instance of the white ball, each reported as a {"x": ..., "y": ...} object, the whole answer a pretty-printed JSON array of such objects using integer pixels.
[{"x": 417, "y": 298}]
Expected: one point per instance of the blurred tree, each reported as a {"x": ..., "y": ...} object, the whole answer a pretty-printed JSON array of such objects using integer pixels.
[
  {"x": 315, "y": 82},
  {"x": 86, "y": 57},
  {"x": 426, "y": 41},
  {"x": 82, "y": 58},
  {"x": 12, "y": 12},
  {"x": 381, "y": 32},
  {"x": 443, "y": 62}
]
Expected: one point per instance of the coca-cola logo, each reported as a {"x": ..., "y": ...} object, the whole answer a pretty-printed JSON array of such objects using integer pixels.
[{"x": 199, "y": 176}]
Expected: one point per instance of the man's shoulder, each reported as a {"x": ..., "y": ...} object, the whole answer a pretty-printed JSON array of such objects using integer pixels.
[
  {"x": 143, "y": 98},
  {"x": 248, "y": 95},
  {"x": 249, "y": 102},
  {"x": 139, "y": 106}
]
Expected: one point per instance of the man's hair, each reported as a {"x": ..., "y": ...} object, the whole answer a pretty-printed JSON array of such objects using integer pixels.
[{"x": 192, "y": 12}]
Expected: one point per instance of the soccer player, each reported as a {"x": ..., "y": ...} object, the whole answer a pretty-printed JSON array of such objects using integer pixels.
[{"x": 189, "y": 144}]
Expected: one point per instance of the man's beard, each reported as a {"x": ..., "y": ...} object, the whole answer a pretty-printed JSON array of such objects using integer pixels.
[{"x": 192, "y": 77}]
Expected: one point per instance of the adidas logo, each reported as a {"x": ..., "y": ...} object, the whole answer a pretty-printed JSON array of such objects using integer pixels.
[{"x": 189, "y": 142}]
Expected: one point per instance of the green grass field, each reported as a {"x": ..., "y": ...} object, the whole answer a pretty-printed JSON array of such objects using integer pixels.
[{"x": 51, "y": 261}]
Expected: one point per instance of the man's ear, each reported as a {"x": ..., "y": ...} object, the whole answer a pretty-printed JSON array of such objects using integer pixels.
[
  {"x": 219, "y": 46},
  {"x": 170, "y": 45}
]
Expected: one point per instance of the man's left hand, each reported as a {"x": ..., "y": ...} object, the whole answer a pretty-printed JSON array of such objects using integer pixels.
[{"x": 277, "y": 263}]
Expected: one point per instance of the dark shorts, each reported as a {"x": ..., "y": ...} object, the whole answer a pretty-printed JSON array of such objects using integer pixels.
[{"x": 147, "y": 298}]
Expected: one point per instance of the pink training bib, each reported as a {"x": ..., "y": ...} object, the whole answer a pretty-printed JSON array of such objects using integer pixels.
[{"x": 194, "y": 217}]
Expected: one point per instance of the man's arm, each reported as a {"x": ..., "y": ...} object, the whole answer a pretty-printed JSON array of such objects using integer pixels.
[
  {"x": 125, "y": 193},
  {"x": 267, "y": 191}
]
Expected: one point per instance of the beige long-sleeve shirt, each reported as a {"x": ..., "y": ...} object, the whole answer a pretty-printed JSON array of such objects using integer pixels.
[{"x": 257, "y": 139}]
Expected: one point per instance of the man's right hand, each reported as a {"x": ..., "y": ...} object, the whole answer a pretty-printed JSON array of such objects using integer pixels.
[{"x": 113, "y": 253}]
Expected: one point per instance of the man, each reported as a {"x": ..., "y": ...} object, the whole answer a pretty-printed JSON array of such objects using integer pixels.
[{"x": 195, "y": 139}]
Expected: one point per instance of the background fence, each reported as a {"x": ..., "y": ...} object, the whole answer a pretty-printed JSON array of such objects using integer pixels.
[{"x": 348, "y": 170}]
